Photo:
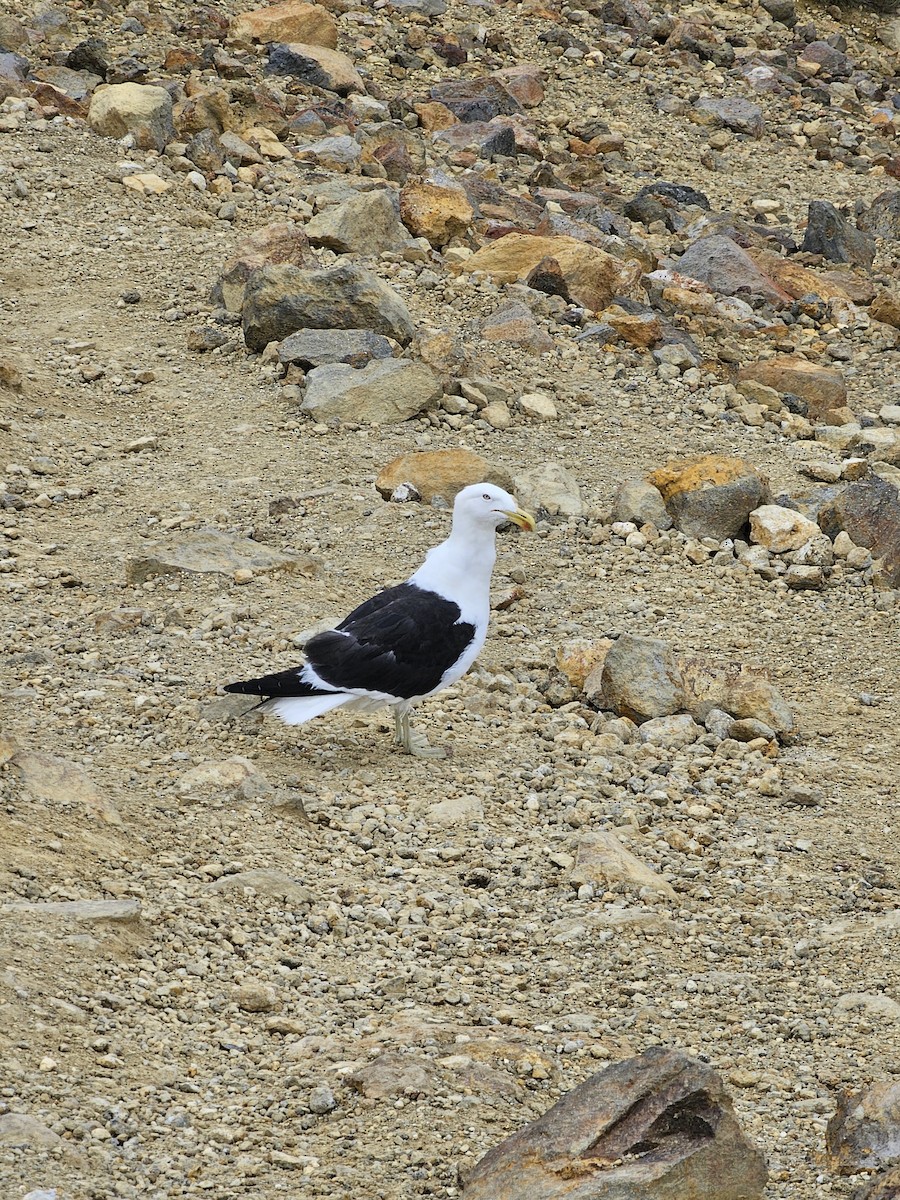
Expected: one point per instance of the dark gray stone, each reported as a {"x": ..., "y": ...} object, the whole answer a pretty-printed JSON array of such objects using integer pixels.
[
  {"x": 869, "y": 511},
  {"x": 721, "y": 264},
  {"x": 315, "y": 347},
  {"x": 476, "y": 99},
  {"x": 882, "y": 217},
  {"x": 830, "y": 234},
  {"x": 743, "y": 116}
]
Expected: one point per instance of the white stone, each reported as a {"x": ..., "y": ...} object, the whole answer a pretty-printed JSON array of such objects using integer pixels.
[
  {"x": 538, "y": 406},
  {"x": 780, "y": 529}
]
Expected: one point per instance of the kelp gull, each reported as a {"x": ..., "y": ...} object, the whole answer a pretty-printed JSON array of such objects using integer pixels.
[{"x": 406, "y": 642}]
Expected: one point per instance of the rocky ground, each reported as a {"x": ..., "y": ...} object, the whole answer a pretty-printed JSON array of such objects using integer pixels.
[{"x": 248, "y": 961}]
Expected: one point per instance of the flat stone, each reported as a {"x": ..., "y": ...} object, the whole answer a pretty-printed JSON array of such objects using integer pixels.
[
  {"x": 209, "y": 551},
  {"x": 710, "y": 495},
  {"x": 267, "y": 882},
  {"x": 279, "y": 300},
  {"x": 439, "y": 474},
  {"x": 601, "y": 858},
  {"x": 141, "y": 110},
  {"x": 394, "y": 1074},
  {"x": 383, "y": 392},
  {"x": 456, "y": 811},
  {"x": 79, "y": 910},
  {"x": 659, "y": 1126},
  {"x": 317, "y": 65},
  {"x": 234, "y": 775},
  {"x": 538, "y": 407},
  {"x": 366, "y": 224},
  {"x": 551, "y": 488},
  {"x": 316, "y": 347},
  {"x": 291, "y": 21},
  {"x": 57, "y": 781},
  {"x": 743, "y": 116},
  {"x": 864, "y": 1133},
  {"x": 19, "y": 1129},
  {"x": 476, "y": 99}
]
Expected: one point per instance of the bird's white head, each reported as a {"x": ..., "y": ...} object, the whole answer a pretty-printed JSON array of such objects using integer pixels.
[{"x": 486, "y": 505}]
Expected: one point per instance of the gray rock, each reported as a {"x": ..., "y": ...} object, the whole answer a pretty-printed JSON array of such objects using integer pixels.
[
  {"x": 476, "y": 99},
  {"x": 267, "y": 882},
  {"x": 321, "y": 1100},
  {"x": 869, "y": 512},
  {"x": 640, "y": 502},
  {"x": 79, "y": 910},
  {"x": 550, "y": 488},
  {"x": 367, "y": 224},
  {"x": 18, "y": 1129},
  {"x": 209, "y": 551},
  {"x": 316, "y": 347},
  {"x": 279, "y": 300},
  {"x": 394, "y": 1074},
  {"x": 601, "y": 858},
  {"x": 722, "y": 265},
  {"x": 659, "y": 1126},
  {"x": 428, "y": 8},
  {"x": 316, "y": 65},
  {"x": 743, "y": 116},
  {"x": 57, "y": 781},
  {"x": 864, "y": 1132},
  {"x": 830, "y": 234},
  {"x": 882, "y": 217},
  {"x": 735, "y": 688},
  {"x": 886, "y": 1184},
  {"x": 672, "y": 732},
  {"x": 340, "y": 153},
  {"x": 641, "y": 678},
  {"x": 384, "y": 392},
  {"x": 142, "y": 110}
]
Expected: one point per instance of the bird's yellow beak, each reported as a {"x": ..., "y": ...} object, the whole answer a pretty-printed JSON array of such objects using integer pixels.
[{"x": 518, "y": 517}]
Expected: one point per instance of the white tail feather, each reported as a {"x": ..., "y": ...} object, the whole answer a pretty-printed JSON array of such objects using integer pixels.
[{"x": 297, "y": 710}]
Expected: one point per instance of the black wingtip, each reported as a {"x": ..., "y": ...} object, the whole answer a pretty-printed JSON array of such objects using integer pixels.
[{"x": 247, "y": 687}]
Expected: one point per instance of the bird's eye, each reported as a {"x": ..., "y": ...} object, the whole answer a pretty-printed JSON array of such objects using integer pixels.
[{"x": 485, "y": 496}]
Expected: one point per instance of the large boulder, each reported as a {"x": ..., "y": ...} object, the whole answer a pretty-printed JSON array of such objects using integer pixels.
[
  {"x": 291, "y": 21},
  {"x": 822, "y": 388},
  {"x": 316, "y": 65},
  {"x": 641, "y": 678},
  {"x": 592, "y": 276},
  {"x": 869, "y": 512},
  {"x": 439, "y": 473},
  {"x": 364, "y": 224},
  {"x": 383, "y": 392},
  {"x": 281, "y": 299},
  {"x": 656, "y": 1127},
  {"x": 711, "y": 495},
  {"x": 864, "y": 1132},
  {"x": 138, "y": 109}
]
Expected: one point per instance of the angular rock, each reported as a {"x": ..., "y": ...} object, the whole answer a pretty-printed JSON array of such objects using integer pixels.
[
  {"x": 592, "y": 276},
  {"x": 384, "y": 392},
  {"x": 256, "y": 997},
  {"x": 743, "y": 116},
  {"x": 886, "y": 307},
  {"x": 266, "y": 882},
  {"x": 524, "y": 82},
  {"x": 780, "y": 529},
  {"x": 882, "y": 217},
  {"x": 439, "y": 474},
  {"x": 886, "y": 1184},
  {"x": 316, "y": 65},
  {"x": 290, "y": 21},
  {"x": 869, "y": 512},
  {"x": 437, "y": 212},
  {"x": 57, "y": 781},
  {"x": 578, "y": 658},
  {"x": 317, "y": 347},
  {"x": 640, "y": 502},
  {"x": 141, "y": 110},
  {"x": 279, "y": 300},
  {"x": 823, "y": 58},
  {"x": 864, "y": 1133},
  {"x": 235, "y": 776},
  {"x": 799, "y": 281},
  {"x": 366, "y": 224},
  {"x": 279, "y": 243},
  {"x": 515, "y": 325},
  {"x": 722, "y": 265},
  {"x": 742, "y": 691},
  {"x": 672, "y": 732},
  {"x": 341, "y": 153},
  {"x": 823, "y": 388},
  {"x": 637, "y": 329},
  {"x": 485, "y": 139},
  {"x": 476, "y": 99},
  {"x": 19, "y": 1129},
  {"x": 209, "y": 551},
  {"x": 659, "y": 1126},
  {"x": 830, "y": 234},
  {"x": 550, "y": 488},
  {"x": 641, "y": 678},
  {"x": 601, "y": 858},
  {"x": 80, "y": 910},
  {"x": 394, "y": 1074},
  {"x": 711, "y": 495},
  {"x": 538, "y": 406}
]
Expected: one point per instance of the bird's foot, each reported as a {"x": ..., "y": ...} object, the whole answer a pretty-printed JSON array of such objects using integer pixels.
[{"x": 418, "y": 745}]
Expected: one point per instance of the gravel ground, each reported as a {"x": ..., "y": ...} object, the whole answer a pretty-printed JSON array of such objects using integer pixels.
[{"x": 421, "y": 917}]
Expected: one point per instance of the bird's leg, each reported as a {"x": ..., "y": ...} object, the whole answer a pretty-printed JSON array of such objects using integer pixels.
[{"x": 413, "y": 742}]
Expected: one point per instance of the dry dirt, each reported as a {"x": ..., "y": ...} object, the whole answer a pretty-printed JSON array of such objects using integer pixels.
[{"x": 457, "y": 938}]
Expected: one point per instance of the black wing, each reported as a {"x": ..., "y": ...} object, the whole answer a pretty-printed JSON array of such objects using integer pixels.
[{"x": 400, "y": 641}]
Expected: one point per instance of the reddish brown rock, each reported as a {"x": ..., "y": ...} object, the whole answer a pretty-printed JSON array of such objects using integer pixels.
[
  {"x": 439, "y": 473},
  {"x": 291, "y": 21},
  {"x": 659, "y": 1126},
  {"x": 886, "y": 307},
  {"x": 823, "y": 388},
  {"x": 525, "y": 82}
]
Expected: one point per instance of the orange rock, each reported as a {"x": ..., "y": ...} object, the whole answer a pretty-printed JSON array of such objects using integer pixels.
[
  {"x": 823, "y": 388},
  {"x": 692, "y": 473},
  {"x": 292, "y": 21},
  {"x": 433, "y": 115},
  {"x": 886, "y": 307},
  {"x": 592, "y": 275},
  {"x": 638, "y": 329},
  {"x": 794, "y": 279},
  {"x": 435, "y": 212},
  {"x": 578, "y": 657},
  {"x": 439, "y": 473}
]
